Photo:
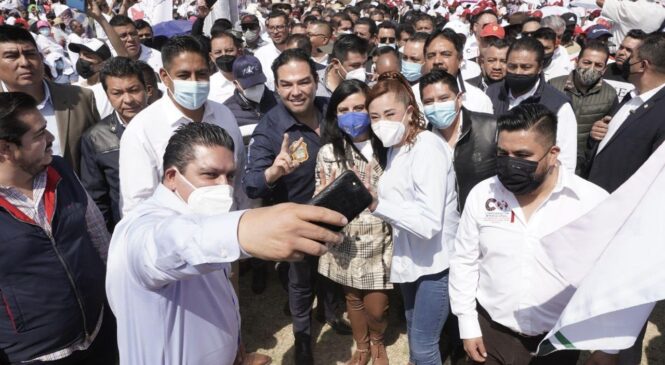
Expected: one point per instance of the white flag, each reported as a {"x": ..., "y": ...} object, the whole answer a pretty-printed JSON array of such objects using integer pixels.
[{"x": 614, "y": 255}]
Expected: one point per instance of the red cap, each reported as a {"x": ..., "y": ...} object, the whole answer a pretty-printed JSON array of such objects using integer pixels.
[
  {"x": 493, "y": 30},
  {"x": 537, "y": 14}
]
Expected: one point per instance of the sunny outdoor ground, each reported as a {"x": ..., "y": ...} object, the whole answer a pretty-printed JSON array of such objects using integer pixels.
[{"x": 267, "y": 329}]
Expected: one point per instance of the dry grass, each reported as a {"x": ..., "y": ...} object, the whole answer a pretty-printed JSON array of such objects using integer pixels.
[{"x": 267, "y": 329}]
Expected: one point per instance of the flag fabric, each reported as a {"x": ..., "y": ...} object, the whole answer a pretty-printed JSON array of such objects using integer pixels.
[{"x": 614, "y": 255}]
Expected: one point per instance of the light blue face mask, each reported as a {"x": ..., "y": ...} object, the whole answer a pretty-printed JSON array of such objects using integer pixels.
[
  {"x": 411, "y": 70},
  {"x": 441, "y": 115},
  {"x": 190, "y": 94}
]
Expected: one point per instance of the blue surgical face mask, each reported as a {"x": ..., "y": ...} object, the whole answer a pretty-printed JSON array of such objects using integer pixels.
[
  {"x": 411, "y": 70},
  {"x": 190, "y": 94},
  {"x": 354, "y": 124},
  {"x": 441, "y": 115}
]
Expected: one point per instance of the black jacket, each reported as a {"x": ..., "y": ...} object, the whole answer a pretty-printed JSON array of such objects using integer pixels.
[
  {"x": 247, "y": 112},
  {"x": 475, "y": 152},
  {"x": 100, "y": 151},
  {"x": 630, "y": 146},
  {"x": 545, "y": 94}
]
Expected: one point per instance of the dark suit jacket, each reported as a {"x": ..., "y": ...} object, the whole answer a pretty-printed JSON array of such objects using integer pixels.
[
  {"x": 631, "y": 145},
  {"x": 75, "y": 111}
]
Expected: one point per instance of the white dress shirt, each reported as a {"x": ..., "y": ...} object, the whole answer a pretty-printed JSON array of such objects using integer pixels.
[
  {"x": 267, "y": 55},
  {"x": 498, "y": 259},
  {"x": 143, "y": 144},
  {"x": 152, "y": 57},
  {"x": 560, "y": 65},
  {"x": 417, "y": 198},
  {"x": 626, "y": 15},
  {"x": 566, "y": 130},
  {"x": 635, "y": 102},
  {"x": 469, "y": 69},
  {"x": 167, "y": 284},
  {"x": 220, "y": 88},
  {"x": 474, "y": 99},
  {"x": 102, "y": 102},
  {"x": 48, "y": 112}
]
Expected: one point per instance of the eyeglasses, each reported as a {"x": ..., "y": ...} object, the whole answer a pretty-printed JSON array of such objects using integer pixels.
[
  {"x": 387, "y": 40},
  {"x": 277, "y": 28}
]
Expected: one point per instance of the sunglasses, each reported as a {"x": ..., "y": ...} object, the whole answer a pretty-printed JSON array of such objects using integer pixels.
[
  {"x": 387, "y": 40},
  {"x": 246, "y": 27}
]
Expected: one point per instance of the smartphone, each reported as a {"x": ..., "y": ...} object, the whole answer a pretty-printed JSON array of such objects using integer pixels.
[{"x": 346, "y": 195}]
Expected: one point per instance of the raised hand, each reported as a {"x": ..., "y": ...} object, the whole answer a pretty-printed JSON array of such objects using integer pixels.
[{"x": 283, "y": 164}]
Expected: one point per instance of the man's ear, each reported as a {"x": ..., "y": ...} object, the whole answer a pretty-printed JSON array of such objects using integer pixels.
[
  {"x": 169, "y": 178},
  {"x": 6, "y": 150}
]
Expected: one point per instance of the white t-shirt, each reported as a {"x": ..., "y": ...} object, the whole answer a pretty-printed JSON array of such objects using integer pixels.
[
  {"x": 220, "y": 88},
  {"x": 626, "y": 15}
]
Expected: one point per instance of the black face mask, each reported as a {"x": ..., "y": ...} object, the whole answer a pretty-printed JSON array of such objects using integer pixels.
[
  {"x": 518, "y": 175},
  {"x": 625, "y": 68},
  {"x": 225, "y": 63},
  {"x": 84, "y": 68},
  {"x": 148, "y": 42},
  {"x": 547, "y": 60},
  {"x": 519, "y": 84}
]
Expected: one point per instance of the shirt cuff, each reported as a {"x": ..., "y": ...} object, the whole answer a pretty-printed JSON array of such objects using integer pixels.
[
  {"x": 220, "y": 235},
  {"x": 243, "y": 254},
  {"x": 469, "y": 327},
  {"x": 385, "y": 210}
]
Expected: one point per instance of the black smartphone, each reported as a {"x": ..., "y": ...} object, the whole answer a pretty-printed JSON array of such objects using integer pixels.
[{"x": 346, "y": 195}]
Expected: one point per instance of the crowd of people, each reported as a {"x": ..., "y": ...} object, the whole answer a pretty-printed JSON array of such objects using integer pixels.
[{"x": 137, "y": 168}]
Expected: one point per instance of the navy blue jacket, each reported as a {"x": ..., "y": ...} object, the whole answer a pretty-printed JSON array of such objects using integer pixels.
[
  {"x": 248, "y": 112},
  {"x": 265, "y": 145},
  {"x": 51, "y": 286},
  {"x": 100, "y": 152}
]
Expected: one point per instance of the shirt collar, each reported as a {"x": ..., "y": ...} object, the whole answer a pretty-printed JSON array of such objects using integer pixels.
[
  {"x": 170, "y": 199},
  {"x": 649, "y": 94},
  {"x": 565, "y": 181},
  {"x": 173, "y": 115},
  {"x": 47, "y": 95},
  {"x": 528, "y": 94}
]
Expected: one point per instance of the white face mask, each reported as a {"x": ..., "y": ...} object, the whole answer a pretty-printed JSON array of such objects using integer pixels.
[
  {"x": 390, "y": 132},
  {"x": 357, "y": 74},
  {"x": 255, "y": 93},
  {"x": 209, "y": 200}
]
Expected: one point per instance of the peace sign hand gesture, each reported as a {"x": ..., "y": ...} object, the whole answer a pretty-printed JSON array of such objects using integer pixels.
[{"x": 283, "y": 164}]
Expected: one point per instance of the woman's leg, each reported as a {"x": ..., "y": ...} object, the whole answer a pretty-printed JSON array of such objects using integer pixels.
[
  {"x": 431, "y": 308},
  {"x": 376, "y": 306},
  {"x": 356, "y": 311}
]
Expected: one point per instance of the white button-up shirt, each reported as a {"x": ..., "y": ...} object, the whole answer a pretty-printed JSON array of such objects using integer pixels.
[
  {"x": 498, "y": 259},
  {"x": 566, "y": 129},
  {"x": 143, "y": 144},
  {"x": 560, "y": 66},
  {"x": 48, "y": 112},
  {"x": 152, "y": 57},
  {"x": 267, "y": 55},
  {"x": 220, "y": 88},
  {"x": 624, "y": 112},
  {"x": 417, "y": 198},
  {"x": 167, "y": 284}
]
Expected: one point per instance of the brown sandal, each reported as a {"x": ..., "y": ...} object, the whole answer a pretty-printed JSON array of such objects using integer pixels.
[
  {"x": 360, "y": 357},
  {"x": 379, "y": 355}
]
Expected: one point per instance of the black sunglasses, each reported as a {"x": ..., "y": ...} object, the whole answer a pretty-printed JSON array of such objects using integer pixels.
[
  {"x": 387, "y": 40},
  {"x": 246, "y": 27}
]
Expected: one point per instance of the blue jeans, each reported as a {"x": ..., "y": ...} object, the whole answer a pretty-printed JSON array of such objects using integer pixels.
[{"x": 426, "y": 307}]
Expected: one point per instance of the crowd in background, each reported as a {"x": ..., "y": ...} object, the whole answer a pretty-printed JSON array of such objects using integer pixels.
[{"x": 148, "y": 146}]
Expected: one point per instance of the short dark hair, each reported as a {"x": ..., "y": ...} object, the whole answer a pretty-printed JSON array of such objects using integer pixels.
[
  {"x": 216, "y": 33},
  {"x": 448, "y": 34},
  {"x": 12, "y": 34},
  {"x": 341, "y": 17},
  {"x": 140, "y": 24},
  {"x": 528, "y": 44},
  {"x": 293, "y": 54},
  {"x": 370, "y": 23},
  {"x": 277, "y": 14},
  {"x": 380, "y": 51},
  {"x": 652, "y": 49},
  {"x": 419, "y": 37},
  {"x": 349, "y": 43},
  {"x": 301, "y": 41},
  {"x": 545, "y": 33},
  {"x": 120, "y": 67},
  {"x": 181, "y": 44},
  {"x": 180, "y": 149},
  {"x": 496, "y": 42},
  {"x": 474, "y": 19},
  {"x": 387, "y": 25},
  {"x": 425, "y": 17},
  {"x": 11, "y": 105},
  {"x": 220, "y": 25},
  {"x": 149, "y": 75},
  {"x": 121, "y": 20},
  {"x": 323, "y": 23},
  {"x": 438, "y": 75},
  {"x": 595, "y": 45},
  {"x": 636, "y": 34},
  {"x": 529, "y": 116},
  {"x": 405, "y": 28}
]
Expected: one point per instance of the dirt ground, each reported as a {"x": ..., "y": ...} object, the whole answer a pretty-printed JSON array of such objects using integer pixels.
[{"x": 267, "y": 329}]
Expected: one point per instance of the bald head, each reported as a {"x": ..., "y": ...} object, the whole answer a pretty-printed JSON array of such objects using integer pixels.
[{"x": 387, "y": 61}]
